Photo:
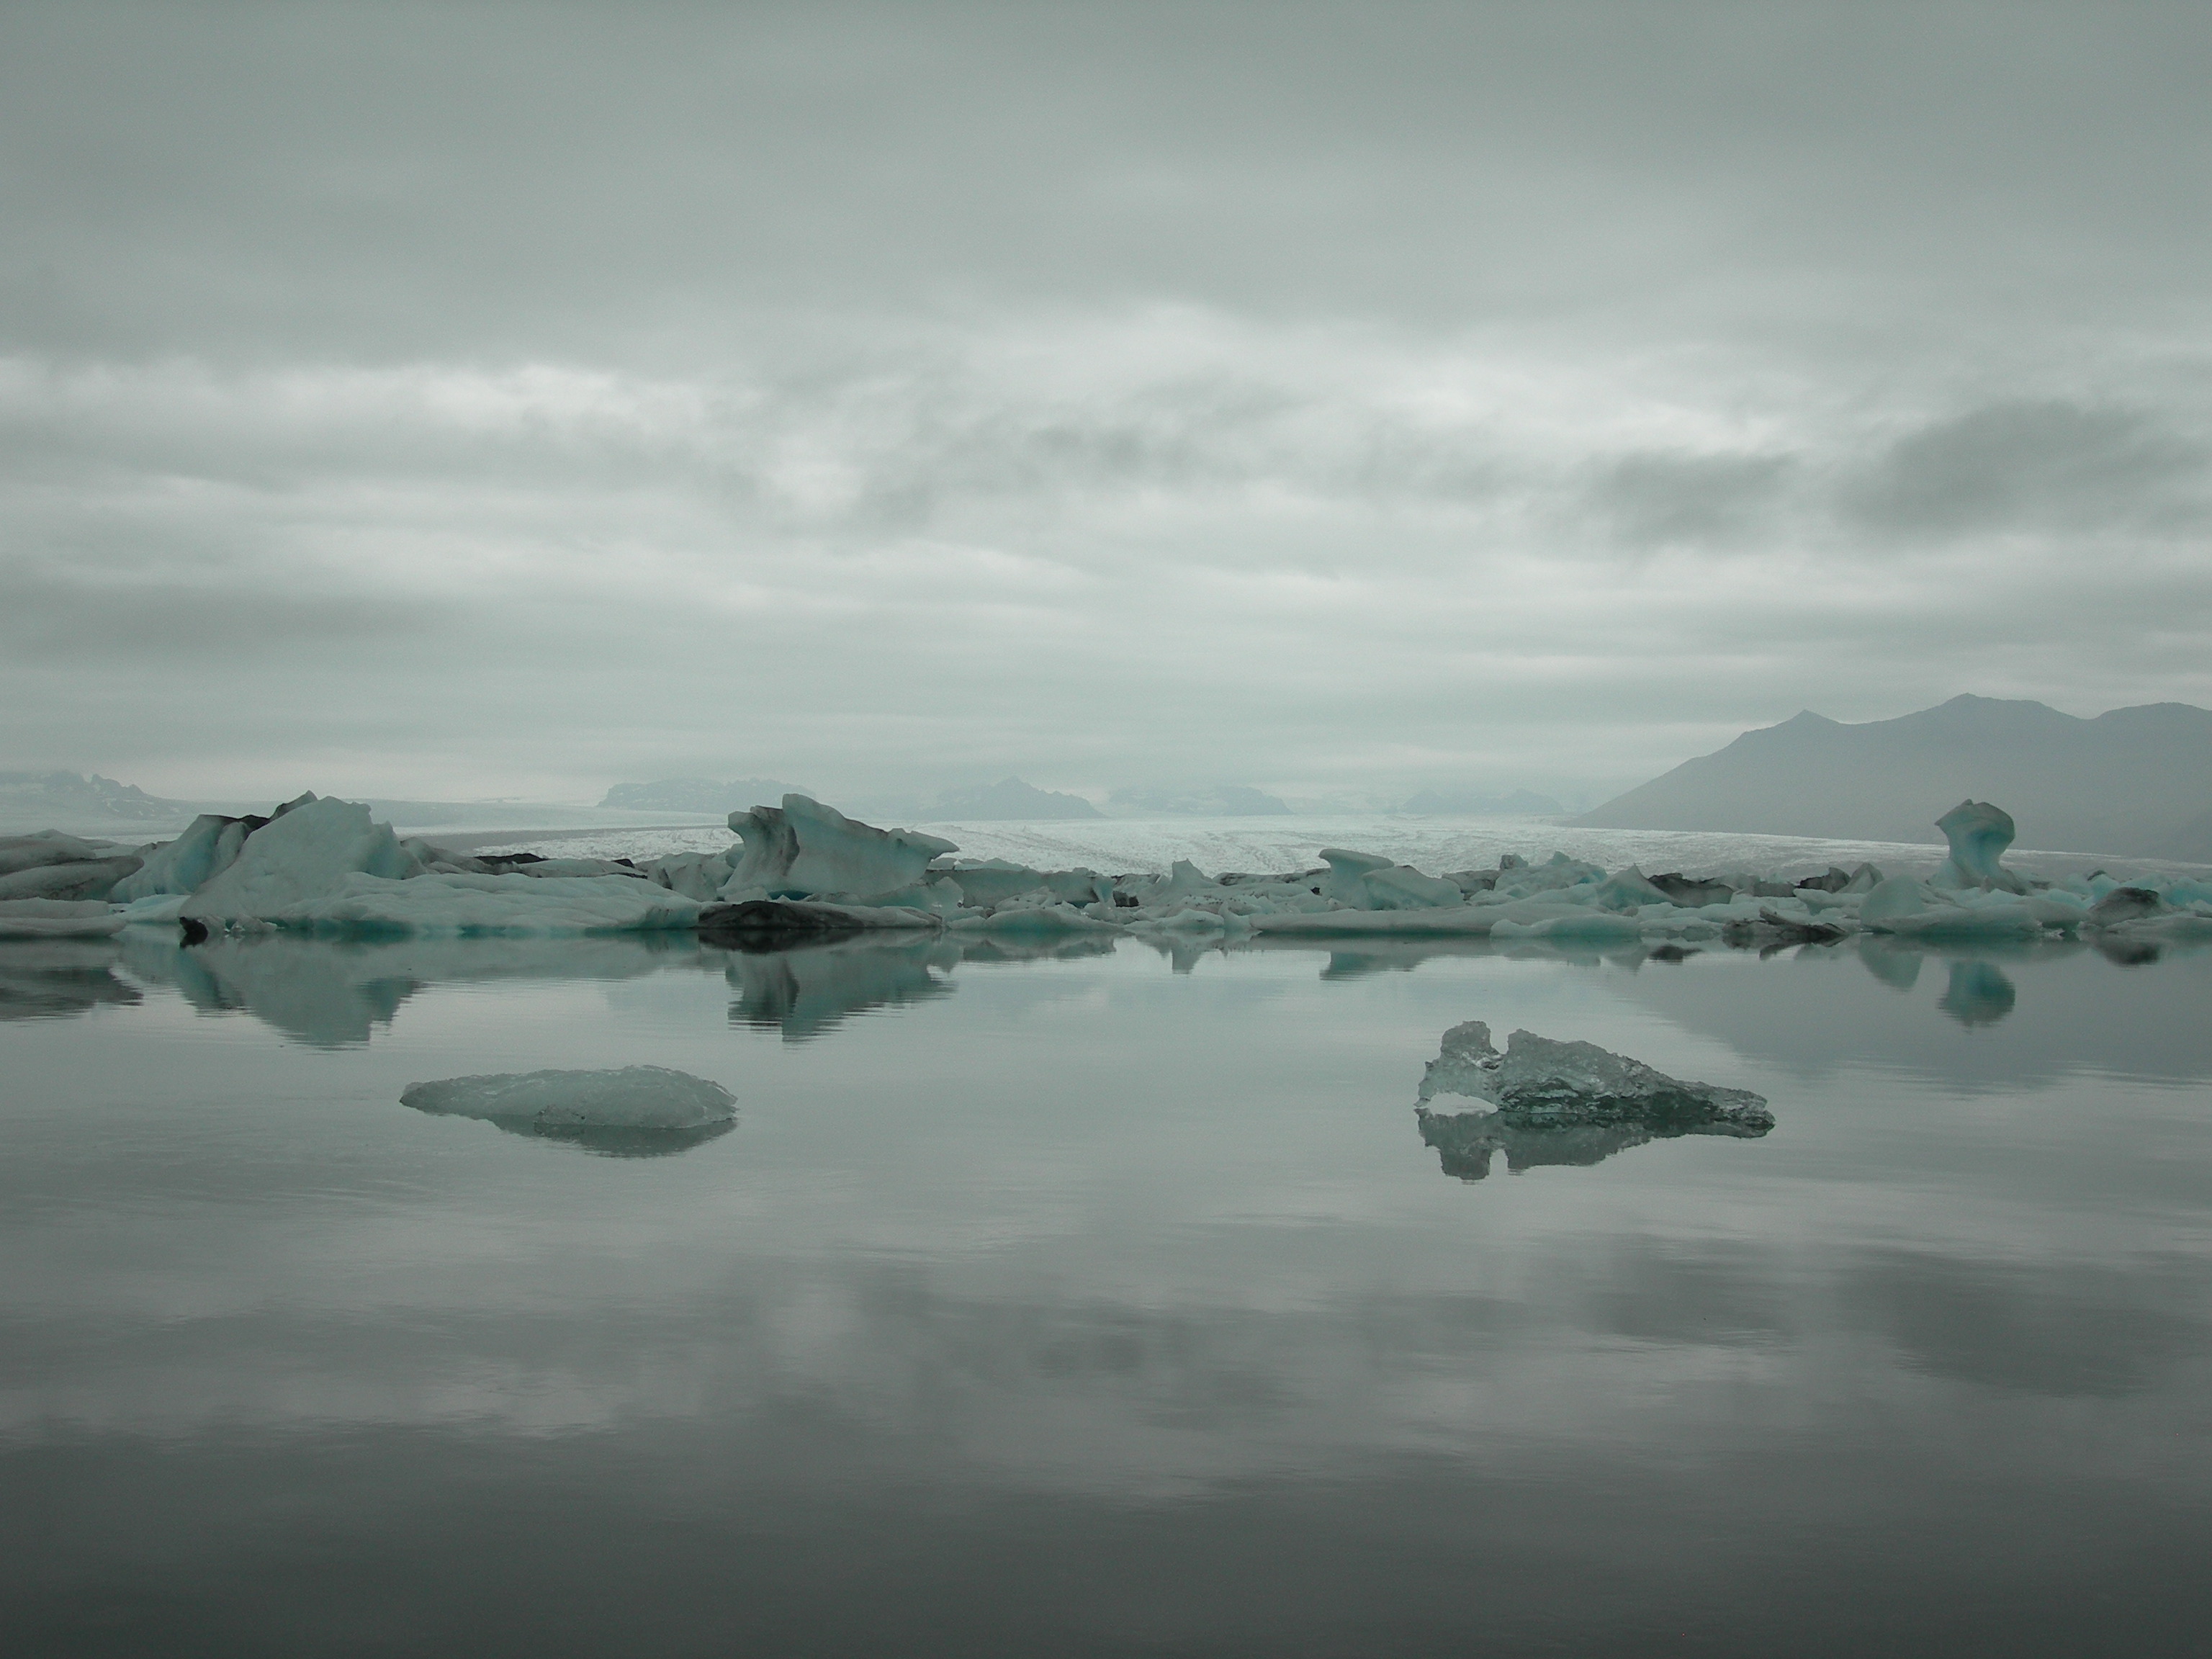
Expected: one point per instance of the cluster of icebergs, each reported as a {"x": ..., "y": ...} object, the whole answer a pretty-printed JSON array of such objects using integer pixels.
[{"x": 323, "y": 866}]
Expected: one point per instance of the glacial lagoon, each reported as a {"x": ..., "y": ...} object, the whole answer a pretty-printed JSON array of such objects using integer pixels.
[{"x": 1107, "y": 1299}]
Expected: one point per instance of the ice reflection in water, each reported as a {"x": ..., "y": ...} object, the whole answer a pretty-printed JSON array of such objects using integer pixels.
[
  {"x": 809, "y": 991},
  {"x": 1979, "y": 994},
  {"x": 1079, "y": 1306},
  {"x": 53, "y": 979}
]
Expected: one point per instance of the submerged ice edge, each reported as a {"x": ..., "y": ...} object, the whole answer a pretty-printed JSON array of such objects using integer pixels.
[{"x": 323, "y": 865}]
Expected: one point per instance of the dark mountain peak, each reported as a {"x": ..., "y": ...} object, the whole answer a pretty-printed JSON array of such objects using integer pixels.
[
  {"x": 1967, "y": 711},
  {"x": 2179, "y": 719},
  {"x": 1009, "y": 799},
  {"x": 2132, "y": 783}
]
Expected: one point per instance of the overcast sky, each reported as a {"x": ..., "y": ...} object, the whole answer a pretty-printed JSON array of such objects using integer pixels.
[{"x": 511, "y": 401}]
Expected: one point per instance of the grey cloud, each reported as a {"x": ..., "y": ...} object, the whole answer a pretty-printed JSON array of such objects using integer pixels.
[
  {"x": 2024, "y": 464},
  {"x": 1661, "y": 500},
  {"x": 53, "y": 619},
  {"x": 1164, "y": 393},
  {"x": 413, "y": 180}
]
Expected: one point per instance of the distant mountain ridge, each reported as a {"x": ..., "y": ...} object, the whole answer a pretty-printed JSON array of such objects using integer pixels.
[
  {"x": 1006, "y": 801},
  {"x": 2133, "y": 782},
  {"x": 1220, "y": 801},
  {"x": 66, "y": 796},
  {"x": 700, "y": 794},
  {"x": 1480, "y": 803}
]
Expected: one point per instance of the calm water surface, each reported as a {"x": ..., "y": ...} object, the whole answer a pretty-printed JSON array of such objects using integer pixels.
[{"x": 1108, "y": 1304}]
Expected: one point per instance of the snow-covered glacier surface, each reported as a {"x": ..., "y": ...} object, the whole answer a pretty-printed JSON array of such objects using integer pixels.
[
  {"x": 1104, "y": 1291},
  {"x": 1118, "y": 845}
]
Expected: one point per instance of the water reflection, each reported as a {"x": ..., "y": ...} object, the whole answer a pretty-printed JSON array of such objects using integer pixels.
[
  {"x": 1979, "y": 994},
  {"x": 54, "y": 979},
  {"x": 330, "y": 993},
  {"x": 1811, "y": 1014},
  {"x": 337, "y": 994},
  {"x": 810, "y": 990},
  {"x": 2127, "y": 952},
  {"x": 1923, "y": 1374},
  {"x": 1894, "y": 961},
  {"x": 607, "y": 1141},
  {"x": 1464, "y": 1141}
]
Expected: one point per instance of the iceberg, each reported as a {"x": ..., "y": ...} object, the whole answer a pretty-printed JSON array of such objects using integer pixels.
[
  {"x": 2124, "y": 904},
  {"x": 1978, "y": 834},
  {"x": 1564, "y": 1102},
  {"x": 297, "y": 858},
  {"x": 805, "y": 869},
  {"x": 47, "y": 846},
  {"x": 1041, "y": 922},
  {"x": 803, "y": 849},
  {"x": 989, "y": 881},
  {"x": 36, "y": 918},
  {"x": 504, "y": 906},
  {"x": 1543, "y": 1080},
  {"x": 1918, "y": 910},
  {"x": 207, "y": 849},
  {"x": 631, "y": 1108},
  {"x": 1363, "y": 881},
  {"x": 700, "y": 876},
  {"x": 73, "y": 879},
  {"x": 324, "y": 865}
]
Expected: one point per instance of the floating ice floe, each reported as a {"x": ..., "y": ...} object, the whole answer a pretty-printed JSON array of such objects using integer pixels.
[
  {"x": 1570, "y": 1103},
  {"x": 631, "y": 1108},
  {"x": 1541, "y": 1079}
]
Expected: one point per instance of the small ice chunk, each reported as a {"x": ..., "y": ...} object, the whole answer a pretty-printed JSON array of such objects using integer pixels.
[
  {"x": 1691, "y": 892},
  {"x": 2128, "y": 904},
  {"x": 625, "y": 1098},
  {"x": 1541, "y": 1080}
]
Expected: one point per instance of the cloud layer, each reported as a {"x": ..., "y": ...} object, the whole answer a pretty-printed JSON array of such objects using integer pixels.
[{"x": 507, "y": 401}]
